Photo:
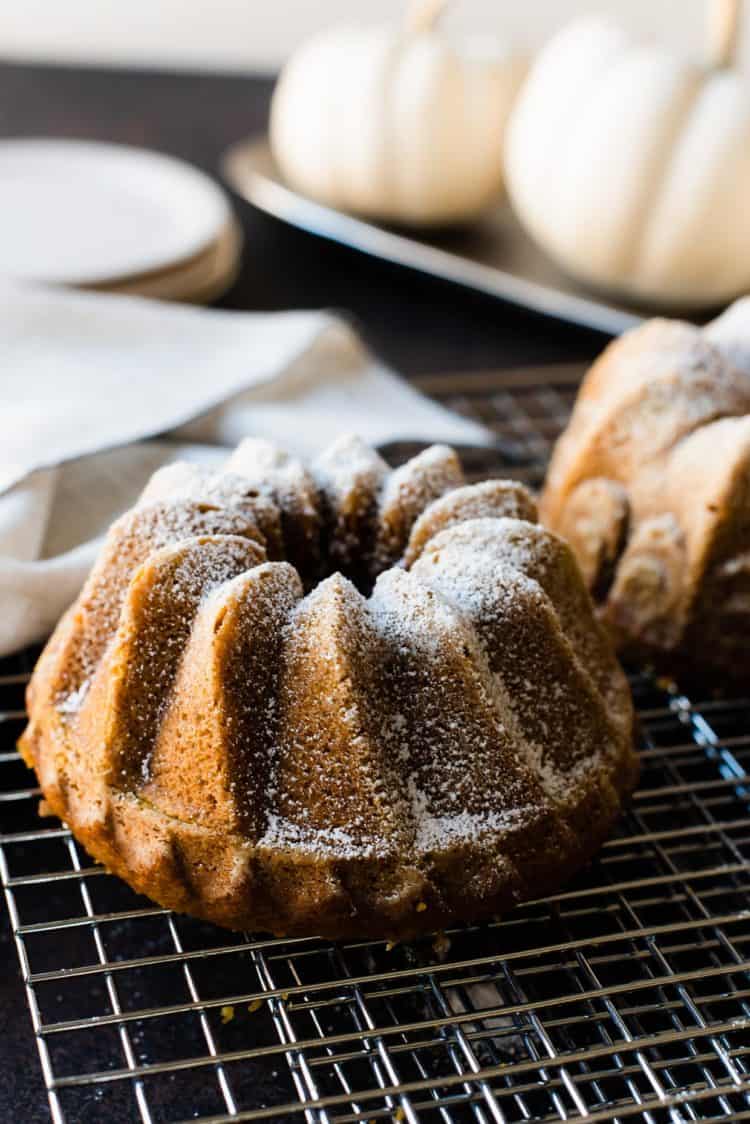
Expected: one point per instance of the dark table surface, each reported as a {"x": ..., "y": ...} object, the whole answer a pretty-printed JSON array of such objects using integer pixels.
[{"x": 418, "y": 324}]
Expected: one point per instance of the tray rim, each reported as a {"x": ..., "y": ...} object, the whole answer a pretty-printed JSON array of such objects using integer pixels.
[{"x": 242, "y": 168}]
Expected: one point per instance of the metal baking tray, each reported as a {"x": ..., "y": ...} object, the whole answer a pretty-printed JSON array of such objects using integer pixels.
[{"x": 493, "y": 256}]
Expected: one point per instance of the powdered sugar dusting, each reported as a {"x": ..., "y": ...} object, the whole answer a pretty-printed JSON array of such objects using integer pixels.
[
  {"x": 445, "y": 727},
  {"x": 131, "y": 540},
  {"x": 349, "y": 465},
  {"x": 536, "y": 675},
  {"x": 390, "y": 725},
  {"x": 316, "y": 840},
  {"x": 350, "y": 476},
  {"x": 492, "y": 499},
  {"x": 182, "y": 481},
  {"x": 273, "y": 470},
  {"x": 72, "y": 702},
  {"x": 407, "y": 493}
]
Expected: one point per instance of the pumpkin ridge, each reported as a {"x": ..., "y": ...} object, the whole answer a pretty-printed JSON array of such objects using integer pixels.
[{"x": 651, "y": 196}]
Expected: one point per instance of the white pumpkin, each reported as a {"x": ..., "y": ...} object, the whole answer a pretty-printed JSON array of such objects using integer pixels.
[
  {"x": 631, "y": 166},
  {"x": 395, "y": 123}
]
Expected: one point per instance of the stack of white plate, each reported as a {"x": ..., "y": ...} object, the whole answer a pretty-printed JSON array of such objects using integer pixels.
[{"x": 115, "y": 218}]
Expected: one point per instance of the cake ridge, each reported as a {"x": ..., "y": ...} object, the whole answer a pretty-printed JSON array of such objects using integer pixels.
[
  {"x": 516, "y": 625},
  {"x": 156, "y": 622},
  {"x": 350, "y": 476},
  {"x": 63, "y": 675},
  {"x": 219, "y": 736},
  {"x": 407, "y": 492},
  {"x": 328, "y": 683},
  {"x": 291, "y": 487}
]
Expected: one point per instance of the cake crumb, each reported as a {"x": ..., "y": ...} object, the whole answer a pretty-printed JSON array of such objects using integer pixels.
[
  {"x": 399, "y": 1114},
  {"x": 441, "y": 946},
  {"x": 421, "y": 907},
  {"x": 255, "y": 1006},
  {"x": 227, "y": 1014}
]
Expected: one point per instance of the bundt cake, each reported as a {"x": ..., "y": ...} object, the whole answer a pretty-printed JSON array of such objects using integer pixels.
[
  {"x": 336, "y": 699},
  {"x": 650, "y": 484}
]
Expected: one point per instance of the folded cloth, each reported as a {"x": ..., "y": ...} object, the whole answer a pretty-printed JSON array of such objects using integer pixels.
[{"x": 88, "y": 380}]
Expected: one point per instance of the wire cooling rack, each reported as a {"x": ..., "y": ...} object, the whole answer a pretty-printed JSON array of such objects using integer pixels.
[{"x": 624, "y": 997}]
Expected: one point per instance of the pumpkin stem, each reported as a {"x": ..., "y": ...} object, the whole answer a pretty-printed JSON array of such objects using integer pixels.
[
  {"x": 723, "y": 32},
  {"x": 422, "y": 15}
]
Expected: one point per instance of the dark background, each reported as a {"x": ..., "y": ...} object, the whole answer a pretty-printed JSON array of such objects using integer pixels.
[{"x": 417, "y": 324}]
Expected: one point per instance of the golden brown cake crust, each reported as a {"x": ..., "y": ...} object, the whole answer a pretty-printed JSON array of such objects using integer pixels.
[
  {"x": 346, "y": 761},
  {"x": 650, "y": 483}
]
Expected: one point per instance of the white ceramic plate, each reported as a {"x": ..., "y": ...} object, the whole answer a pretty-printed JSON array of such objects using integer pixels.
[
  {"x": 200, "y": 280},
  {"x": 83, "y": 213}
]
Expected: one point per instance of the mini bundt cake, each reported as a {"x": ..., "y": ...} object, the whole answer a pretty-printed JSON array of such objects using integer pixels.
[
  {"x": 335, "y": 699},
  {"x": 650, "y": 484}
]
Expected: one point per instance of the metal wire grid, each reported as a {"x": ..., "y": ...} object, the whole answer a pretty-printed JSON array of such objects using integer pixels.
[{"x": 625, "y": 996}]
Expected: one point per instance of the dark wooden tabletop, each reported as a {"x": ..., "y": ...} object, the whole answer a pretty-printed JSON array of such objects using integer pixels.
[{"x": 417, "y": 324}]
